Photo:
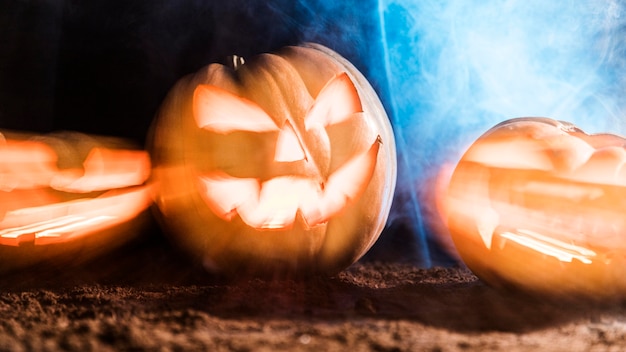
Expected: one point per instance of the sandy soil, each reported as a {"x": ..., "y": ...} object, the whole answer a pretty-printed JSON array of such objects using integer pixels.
[{"x": 147, "y": 297}]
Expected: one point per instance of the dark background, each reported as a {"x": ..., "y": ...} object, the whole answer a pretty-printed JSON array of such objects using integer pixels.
[{"x": 103, "y": 67}]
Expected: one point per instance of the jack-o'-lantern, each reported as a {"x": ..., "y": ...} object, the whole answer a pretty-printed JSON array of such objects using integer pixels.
[
  {"x": 67, "y": 196},
  {"x": 537, "y": 204},
  {"x": 281, "y": 165}
]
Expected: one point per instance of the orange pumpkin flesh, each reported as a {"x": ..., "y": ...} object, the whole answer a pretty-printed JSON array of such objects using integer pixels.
[
  {"x": 66, "y": 193},
  {"x": 283, "y": 165},
  {"x": 539, "y": 205}
]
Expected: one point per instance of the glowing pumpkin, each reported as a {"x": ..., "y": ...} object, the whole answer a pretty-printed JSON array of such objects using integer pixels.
[
  {"x": 538, "y": 204},
  {"x": 281, "y": 165},
  {"x": 68, "y": 196}
]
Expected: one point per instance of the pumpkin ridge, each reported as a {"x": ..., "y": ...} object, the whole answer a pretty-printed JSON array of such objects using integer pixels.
[{"x": 286, "y": 97}]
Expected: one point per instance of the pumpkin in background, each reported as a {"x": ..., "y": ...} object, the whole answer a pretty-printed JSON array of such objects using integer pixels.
[
  {"x": 540, "y": 205},
  {"x": 67, "y": 196},
  {"x": 281, "y": 165}
]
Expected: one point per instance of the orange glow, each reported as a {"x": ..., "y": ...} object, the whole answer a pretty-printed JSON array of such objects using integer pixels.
[
  {"x": 273, "y": 204},
  {"x": 65, "y": 221},
  {"x": 284, "y": 164},
  {"x": 288, "y": 146},
  {"x": 106, "y": 169},
  {"x": 336, "y": 102},
  {"x": 220, "y": 111},
  {"x": 540, "y": 204},
  {"x": 25, "y": 164},
  {"x": 41, "y": 203},
  {"x": 549, "y": 246}
]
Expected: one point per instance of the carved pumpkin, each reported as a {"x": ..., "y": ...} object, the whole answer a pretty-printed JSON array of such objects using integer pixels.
[
  {"x": 538, "y": 204},
  {"x": 281, "y": 165},
  {"x": 68, "y": 196}
]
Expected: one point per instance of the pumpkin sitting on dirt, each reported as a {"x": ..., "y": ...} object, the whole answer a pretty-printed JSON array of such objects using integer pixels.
[{"x": 284, "y": 164}]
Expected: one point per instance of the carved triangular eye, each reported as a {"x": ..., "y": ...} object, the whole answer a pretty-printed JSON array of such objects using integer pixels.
[
  {"x": 336, "y": 102},
  {"x": 288, "y": 147},
  {"x": 219, "y": 111}
]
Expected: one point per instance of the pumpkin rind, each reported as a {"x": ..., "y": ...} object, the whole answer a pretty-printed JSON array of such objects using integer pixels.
[
  {"x": 538, "y": 205},
  {"x": 305, "y": 97},
  {"x": 67, "y": 197}
]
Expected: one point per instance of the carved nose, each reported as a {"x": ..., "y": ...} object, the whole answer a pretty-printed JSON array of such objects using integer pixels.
[{"x": 288, "y": 146}]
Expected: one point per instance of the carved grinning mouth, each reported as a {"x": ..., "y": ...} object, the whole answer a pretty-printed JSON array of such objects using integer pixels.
[{"x": 276, "y": 203}]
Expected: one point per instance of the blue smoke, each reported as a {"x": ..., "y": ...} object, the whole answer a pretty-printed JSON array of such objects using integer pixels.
[
  {"x": 456, "y": 68},
  {"x": 446, "y": 70}
]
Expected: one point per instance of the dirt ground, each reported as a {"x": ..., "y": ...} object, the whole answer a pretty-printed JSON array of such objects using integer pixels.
[{"x": 147, "y": 297}]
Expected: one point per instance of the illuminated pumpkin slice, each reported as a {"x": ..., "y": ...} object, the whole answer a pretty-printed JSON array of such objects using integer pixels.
[
  {"x": 281, "y": 165},
  {"x": 539, "y": 205},
  {"x": 66, "y": 193}
]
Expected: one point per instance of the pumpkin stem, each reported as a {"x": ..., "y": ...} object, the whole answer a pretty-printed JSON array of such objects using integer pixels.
[{"x": 235, "y": 61}]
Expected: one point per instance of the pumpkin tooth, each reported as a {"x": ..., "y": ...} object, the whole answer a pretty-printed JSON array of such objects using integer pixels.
[
  {"x": 224, "y": 194},
  {"x": 288, "y": 145}
]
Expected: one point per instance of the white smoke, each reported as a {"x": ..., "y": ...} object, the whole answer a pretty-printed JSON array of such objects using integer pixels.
[
  {"x": 461, "y": 66},
  {"x": 456, "y": 68}
]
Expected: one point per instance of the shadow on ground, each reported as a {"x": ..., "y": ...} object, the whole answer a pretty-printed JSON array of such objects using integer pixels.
[{"x": 148, "y": 277}]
